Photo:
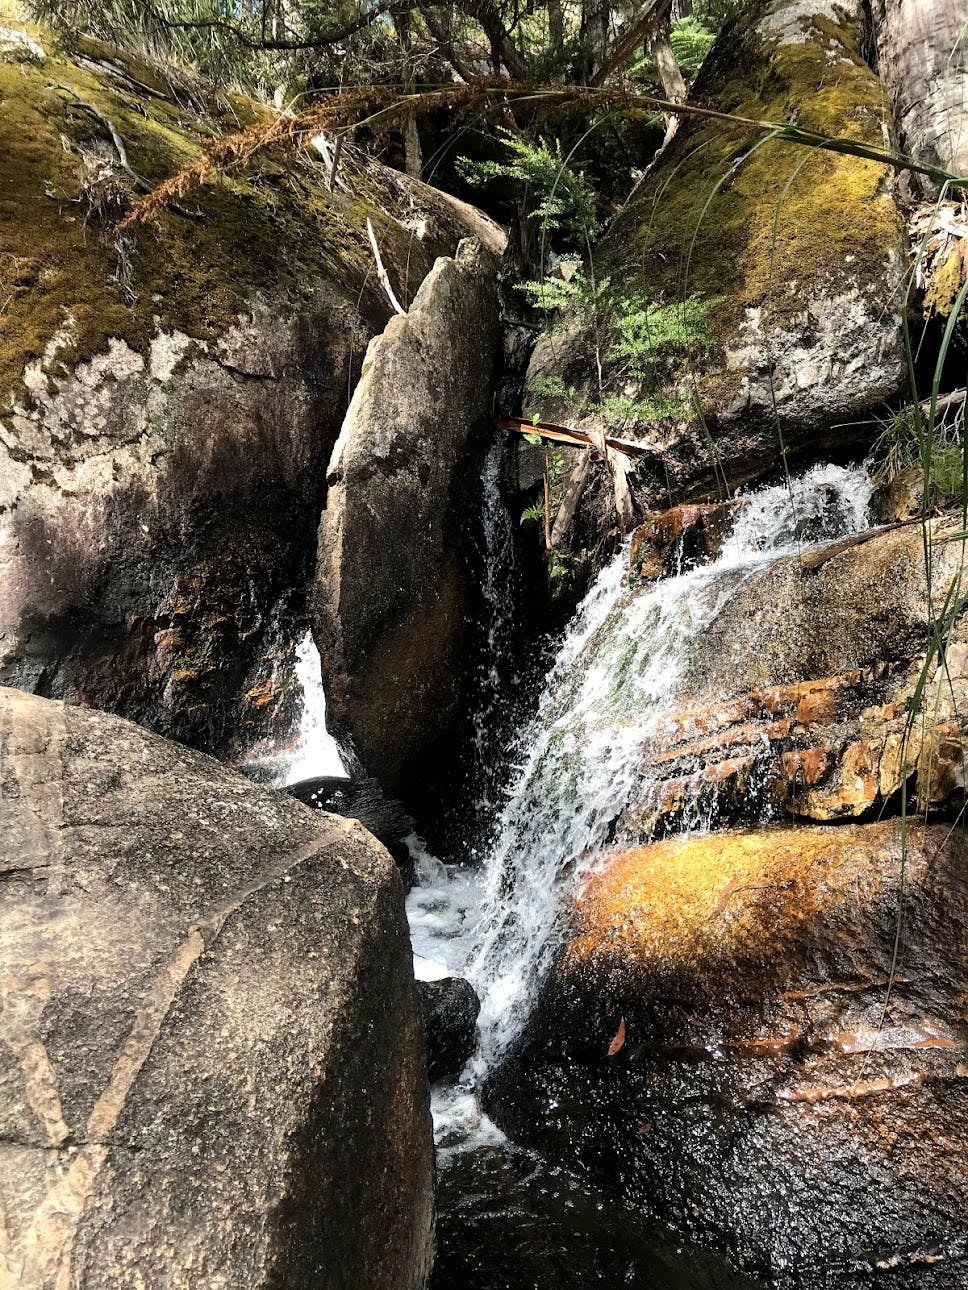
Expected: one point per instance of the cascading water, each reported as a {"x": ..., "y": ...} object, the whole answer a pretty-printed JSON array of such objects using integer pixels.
[
  {"x": 616, "y": 672},
  {"x": 498, "y": 554},
  {"x": 311, "y": 750},
  {"x": 316, "y": 751}
]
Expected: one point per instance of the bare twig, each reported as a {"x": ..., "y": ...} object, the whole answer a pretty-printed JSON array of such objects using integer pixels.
[
  {"x": 381, "y": 272},
  {"x": 139, "y": 182}
]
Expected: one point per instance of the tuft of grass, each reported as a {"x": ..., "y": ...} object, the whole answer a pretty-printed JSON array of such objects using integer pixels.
[{"x": 906, "y": 440}]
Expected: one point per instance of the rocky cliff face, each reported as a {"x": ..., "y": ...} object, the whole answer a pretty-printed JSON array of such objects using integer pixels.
[
  {"x": 394, "y": 594},
  {"x": 212, "y": 1062},
  {"x": 169, "y": 398}
]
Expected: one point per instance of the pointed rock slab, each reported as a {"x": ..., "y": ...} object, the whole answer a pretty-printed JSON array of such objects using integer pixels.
[
  {"x": 393, "y": 590},
  {"x": 770, "y": 1096},
  {"x": 211, "y": 1063}
]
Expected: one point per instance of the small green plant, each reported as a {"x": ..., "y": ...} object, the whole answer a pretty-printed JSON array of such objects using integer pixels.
[
  {"x": 558, "y": 565},
  {"x": 649, "y": 335},
  {"x": 552, "y": 387},
  {"x": 533, "y": 513},
  {"x": 640, "y": 338},
  {"x": 904, "y": 442},
  {"x": 559, "y": 198},
  {"x": 622, "y": 411},
  {"x": 691, "y": 41}
]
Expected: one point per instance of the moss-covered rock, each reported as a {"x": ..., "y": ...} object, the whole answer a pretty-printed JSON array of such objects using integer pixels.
[
  {"x": 800, "y": 250},
  {"x": 169, "y": 397}
]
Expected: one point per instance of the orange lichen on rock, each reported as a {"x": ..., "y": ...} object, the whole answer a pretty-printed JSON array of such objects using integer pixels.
[{"x": 733, "y": 904}]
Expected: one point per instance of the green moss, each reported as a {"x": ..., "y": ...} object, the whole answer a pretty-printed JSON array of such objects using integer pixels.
[
  {"x": 706, "y": 225},
  {"x": 279, "y": 228}
]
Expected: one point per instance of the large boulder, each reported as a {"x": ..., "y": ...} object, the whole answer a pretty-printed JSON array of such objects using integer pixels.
[
  {"x": 795, "y": 255},
  {"x": 169, "y": 396},
  {"x": 760, "y": 1038},
  {"x": 393, "y": 586},
  {"x": 211, "y": 1058},
  {"x": 818, "y": 692}
]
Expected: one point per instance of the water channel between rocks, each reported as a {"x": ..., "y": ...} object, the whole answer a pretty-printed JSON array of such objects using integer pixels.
[{"x": 507, "y": 1218}]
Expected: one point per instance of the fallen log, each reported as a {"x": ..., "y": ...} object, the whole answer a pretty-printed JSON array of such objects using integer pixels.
[
  {"x": 814, "y": 560},
  {"x": 577, "y": 438}
]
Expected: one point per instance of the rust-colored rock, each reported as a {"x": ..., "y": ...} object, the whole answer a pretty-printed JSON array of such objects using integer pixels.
[
  {"x": 798, "y": 739},
  {"x": 802, "y": 1114},
  {"x": 679, "y": 539}
]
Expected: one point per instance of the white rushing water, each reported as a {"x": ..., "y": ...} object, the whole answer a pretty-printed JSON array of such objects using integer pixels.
[
  {"x": 310, "y": 750},
  {"x": 316, "y": 751},
  {"x": 579, "y": 760}
]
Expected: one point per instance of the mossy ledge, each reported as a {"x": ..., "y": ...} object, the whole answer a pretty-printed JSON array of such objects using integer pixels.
[
  {"x": 766, "y": 225},
  {"x": 276, "y": 230}
]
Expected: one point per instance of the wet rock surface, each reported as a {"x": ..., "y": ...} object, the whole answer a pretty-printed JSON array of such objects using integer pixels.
[
  {"x": 360, "y": 799},
  {"x": 212, "y": 1064},
  {"x": 393, "y": 588},
  {"x": 765, "y": 1087},
  {"x": 830, "y": 659},
  {"x": 679, "y": 539},
  {"x": 450, "y": 1009},
  {"x": 506, "y": 1219}
]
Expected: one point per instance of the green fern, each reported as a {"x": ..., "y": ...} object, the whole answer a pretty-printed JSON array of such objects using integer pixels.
[{"x": 560, "y": 198}]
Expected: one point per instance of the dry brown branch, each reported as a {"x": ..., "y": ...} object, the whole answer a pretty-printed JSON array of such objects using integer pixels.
[
  {"x": 577, "y": 438},
  {"x": 384, "y": 108}
]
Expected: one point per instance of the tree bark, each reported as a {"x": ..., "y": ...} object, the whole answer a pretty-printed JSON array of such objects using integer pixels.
[{"x": 923, "y": 56}]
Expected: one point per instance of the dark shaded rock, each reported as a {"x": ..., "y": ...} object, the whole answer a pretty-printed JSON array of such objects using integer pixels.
[
  {"x": 211, "y": 1064},
  {"x": 393, "y": 584},
  {"x": 450, "y": 1009},
  {"x": 505, "y": 1219},
  {"x": 163, "y": 444},
  {"x": 772, "y": 1093},
  {"x": 360, "y": 799}
]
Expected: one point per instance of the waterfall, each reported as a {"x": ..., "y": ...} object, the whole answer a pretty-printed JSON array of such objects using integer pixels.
[
  {"x": 579, "y": 760},
  {"x": 316, "y": 751},
  {"x": 310, "y": 750}
]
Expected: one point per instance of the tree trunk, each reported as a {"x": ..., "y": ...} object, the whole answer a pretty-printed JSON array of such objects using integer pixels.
[
  {"x": 413, "y": 154},
  {"x": 923, "y": 54}
]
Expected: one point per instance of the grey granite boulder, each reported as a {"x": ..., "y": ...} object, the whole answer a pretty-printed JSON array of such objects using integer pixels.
[{"x": 211, "y": 1061}]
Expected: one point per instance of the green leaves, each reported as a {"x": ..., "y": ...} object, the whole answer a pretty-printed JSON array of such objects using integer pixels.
[{"x": 560, "y": 199}]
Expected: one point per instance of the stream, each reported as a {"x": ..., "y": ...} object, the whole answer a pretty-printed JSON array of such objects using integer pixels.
[{"x": 508, "y": 1219}]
